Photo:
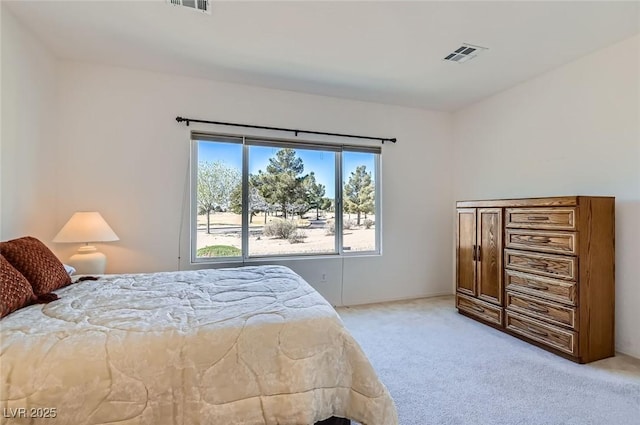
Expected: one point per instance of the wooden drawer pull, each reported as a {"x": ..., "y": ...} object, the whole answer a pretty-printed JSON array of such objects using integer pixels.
[
  {"x": 478, "y": 309},
  {"x": 537, "y": 332},
  {"x": 542, "y": 239},
  {"x": 538, "y": 218},
  {"x": 537, "y": 308},
  {"x": 536, "y": 286},
  {"x": 538, "y": 265}
]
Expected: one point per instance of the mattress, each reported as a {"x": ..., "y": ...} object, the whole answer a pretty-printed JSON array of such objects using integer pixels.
[{"x": 249, "y": 345}]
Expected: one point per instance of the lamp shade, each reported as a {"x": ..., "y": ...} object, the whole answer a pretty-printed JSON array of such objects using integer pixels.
[{"x": 86, "y": 227}]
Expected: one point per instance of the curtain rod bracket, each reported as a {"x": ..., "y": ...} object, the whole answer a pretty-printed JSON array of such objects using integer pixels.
[
  {"x": 296, "y": 132},
  {"x": 180, "y": 119}
]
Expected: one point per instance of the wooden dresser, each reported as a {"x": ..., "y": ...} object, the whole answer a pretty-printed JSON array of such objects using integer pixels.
[{"x": 541, "y": 269}]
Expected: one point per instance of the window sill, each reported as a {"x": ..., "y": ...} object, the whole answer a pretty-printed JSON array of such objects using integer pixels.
[{"x": 258, "y": 260}]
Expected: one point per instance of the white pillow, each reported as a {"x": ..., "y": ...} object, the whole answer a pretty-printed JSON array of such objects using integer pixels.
[{"x": 70, "y": 270}]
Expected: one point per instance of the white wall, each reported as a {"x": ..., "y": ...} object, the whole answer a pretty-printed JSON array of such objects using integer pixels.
[
  {"x": 575, "y": 130},
  {"x": 27, "y": 165},
  {"x": 124, "y": 155}
]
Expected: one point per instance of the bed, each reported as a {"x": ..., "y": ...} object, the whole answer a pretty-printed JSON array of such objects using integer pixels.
[{"x": 245, "y": 346}]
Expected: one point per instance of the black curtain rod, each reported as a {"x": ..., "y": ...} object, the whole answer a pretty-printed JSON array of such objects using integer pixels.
[{"x": 296, "y": 132}]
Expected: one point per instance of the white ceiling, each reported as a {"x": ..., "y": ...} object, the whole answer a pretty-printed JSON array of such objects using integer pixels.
[{"x": 388, "y": 52}]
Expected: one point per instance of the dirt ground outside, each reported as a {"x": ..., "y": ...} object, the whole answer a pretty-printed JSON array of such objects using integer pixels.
[{"x": 226, "y": 230}]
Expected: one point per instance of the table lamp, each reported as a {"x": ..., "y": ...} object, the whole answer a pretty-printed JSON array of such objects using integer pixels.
[{"x": 85, "y": 227}]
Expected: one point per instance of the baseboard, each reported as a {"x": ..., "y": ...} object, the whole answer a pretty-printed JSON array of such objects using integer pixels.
[
  {"x": 389, "y": 300},
  {"x": 633, "y": 356}
]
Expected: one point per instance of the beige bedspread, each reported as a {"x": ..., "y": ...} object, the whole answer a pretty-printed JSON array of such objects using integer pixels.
[{"x": 252, "y": 345}]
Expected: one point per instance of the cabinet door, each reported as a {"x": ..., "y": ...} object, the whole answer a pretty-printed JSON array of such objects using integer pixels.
[
  {"x": 465, "y": 247},
  {"x": 489, "y": 255}
]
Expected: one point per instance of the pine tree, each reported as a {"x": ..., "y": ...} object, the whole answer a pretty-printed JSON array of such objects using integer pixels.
[
  {"x": 283, "y": 184},
  {"x": 315, "y": 193},
  {"x": 359, "y": 192}
]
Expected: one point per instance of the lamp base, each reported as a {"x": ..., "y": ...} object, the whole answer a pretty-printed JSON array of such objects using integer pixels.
[{"x": 88, "y": 261}]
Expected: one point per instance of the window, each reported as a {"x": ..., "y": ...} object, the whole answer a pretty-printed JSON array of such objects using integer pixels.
[
  {"x": 218, "y": 193},
  {"x": 257, "y": 198},
  {"x": 359, "y": 201}
]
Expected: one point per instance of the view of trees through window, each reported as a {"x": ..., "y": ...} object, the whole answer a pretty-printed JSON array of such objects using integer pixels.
[
  {"x": 359, "y": 203},
  {"x": 290, "y": 203}
]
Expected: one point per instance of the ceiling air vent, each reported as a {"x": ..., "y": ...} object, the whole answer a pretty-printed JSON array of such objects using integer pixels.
[
  {"x": 197, "y": 5},
  {"x": 464, "y": 53}
]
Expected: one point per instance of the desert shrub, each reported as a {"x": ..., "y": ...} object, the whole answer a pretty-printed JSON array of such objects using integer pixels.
[
  {"x": 330, "y": 228},
  {"x": 348, "y": 224},
  {"x": 302, "y": 222},
  {"x": 297, "y": 236},
  {"x": 219, "y": 251},
  {"x": 368, "y": 223},
  {"x": 280, "y": 229}
]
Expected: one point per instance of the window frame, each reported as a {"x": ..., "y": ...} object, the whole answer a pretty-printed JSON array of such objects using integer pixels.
[{"x": 246, "y": 142}]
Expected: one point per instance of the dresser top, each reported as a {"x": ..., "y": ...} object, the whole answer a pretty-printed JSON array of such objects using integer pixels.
[{"x": 556, "y": 201}]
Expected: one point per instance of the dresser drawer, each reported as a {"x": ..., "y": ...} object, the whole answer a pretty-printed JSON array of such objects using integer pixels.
[
  {"x": 479, "y": 309},
  {"x": 541, "y": 309},
  {"x": 550, "y": 265},
  {"x": 541, "y": 218},
  {"x": 542, "y": 240},
  {"x": 562, "y": 291},
  {"x": 552, "y": 336}
]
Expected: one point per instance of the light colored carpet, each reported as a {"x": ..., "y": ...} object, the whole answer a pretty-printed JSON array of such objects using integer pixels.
[{"x": 443, "y": 368}]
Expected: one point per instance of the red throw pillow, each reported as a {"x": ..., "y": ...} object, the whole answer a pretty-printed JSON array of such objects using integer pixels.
[
  {"x": 15, "y": 290},
  {"x": 37, "y": 263}
]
